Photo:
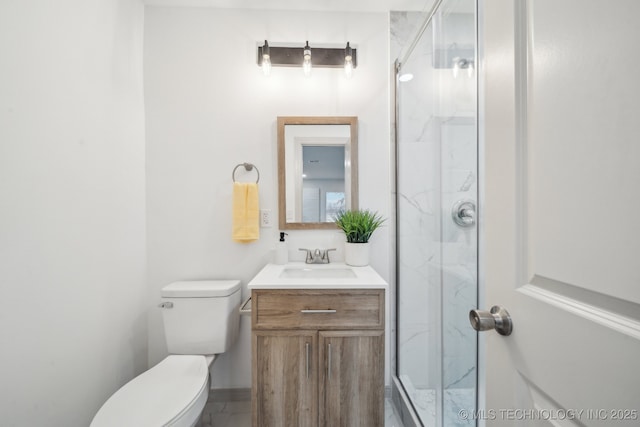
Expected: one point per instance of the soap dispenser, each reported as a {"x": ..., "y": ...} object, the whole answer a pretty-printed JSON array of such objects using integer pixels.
[{"x": 282, "y": 251}]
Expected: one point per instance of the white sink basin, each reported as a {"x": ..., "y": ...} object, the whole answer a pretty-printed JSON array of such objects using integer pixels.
[
  {"x": 298, "y": 275},
  {"x": 317, "y": 273}
]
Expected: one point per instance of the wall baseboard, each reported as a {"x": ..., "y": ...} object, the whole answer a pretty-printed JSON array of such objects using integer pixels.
[{"x": 229, "y": 395}]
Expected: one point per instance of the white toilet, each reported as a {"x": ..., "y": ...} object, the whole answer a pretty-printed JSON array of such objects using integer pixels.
[{"x": 201, "y": 320}]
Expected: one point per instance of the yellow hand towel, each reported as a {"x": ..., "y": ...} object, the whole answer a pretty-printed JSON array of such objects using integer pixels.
[{"x": 245, "y": 212}]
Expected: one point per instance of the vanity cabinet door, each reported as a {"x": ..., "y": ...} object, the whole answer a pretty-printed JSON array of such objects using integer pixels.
[
  {"x": 285, "y": 378},
  {"x": 351, "y": 378}
]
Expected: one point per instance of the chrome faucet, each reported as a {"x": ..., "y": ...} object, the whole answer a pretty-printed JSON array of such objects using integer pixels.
[{"x": 317, "y": 256}]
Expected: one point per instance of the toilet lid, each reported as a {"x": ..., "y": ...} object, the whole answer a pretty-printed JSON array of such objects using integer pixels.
[
  {"x": 200, "y": 289},
  {"x": 159, "y": 396}
]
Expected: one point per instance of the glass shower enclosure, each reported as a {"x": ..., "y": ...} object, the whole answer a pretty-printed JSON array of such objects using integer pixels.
[{"x": 437, "y": 194}]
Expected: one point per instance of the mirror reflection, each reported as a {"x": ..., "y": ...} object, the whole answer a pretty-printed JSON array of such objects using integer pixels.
[
  {"x": 317, "y": 174},
  {"x": 316, "y": 188}
]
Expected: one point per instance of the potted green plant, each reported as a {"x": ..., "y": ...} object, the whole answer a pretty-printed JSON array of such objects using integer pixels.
[{"x": 358, "y": 226}]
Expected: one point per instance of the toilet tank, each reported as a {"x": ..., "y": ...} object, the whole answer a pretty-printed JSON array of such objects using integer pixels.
[{"x": 201, "y": 317}]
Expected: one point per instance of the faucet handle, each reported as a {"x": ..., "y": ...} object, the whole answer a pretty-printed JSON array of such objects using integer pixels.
[
  {"x": 309, "y": 257},
  {"x": 326, "y": 254}
]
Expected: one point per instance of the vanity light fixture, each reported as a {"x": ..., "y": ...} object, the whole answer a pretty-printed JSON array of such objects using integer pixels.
[{"x": 307, "y": 58}]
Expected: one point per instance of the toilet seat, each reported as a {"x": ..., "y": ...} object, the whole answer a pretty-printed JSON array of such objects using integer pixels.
[{"x": 172, "y": 393}]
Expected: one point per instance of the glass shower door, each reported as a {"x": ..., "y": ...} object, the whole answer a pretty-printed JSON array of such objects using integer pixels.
[{"x": 436, "y": 230}]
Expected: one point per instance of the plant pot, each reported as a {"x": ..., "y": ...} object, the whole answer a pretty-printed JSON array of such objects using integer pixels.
[{"x": 356, "y": 254}]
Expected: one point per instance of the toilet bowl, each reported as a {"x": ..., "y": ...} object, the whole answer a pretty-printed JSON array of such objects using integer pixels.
[
  {"x": 198, "y": 315},
  {"x": 172, "y": 393}
]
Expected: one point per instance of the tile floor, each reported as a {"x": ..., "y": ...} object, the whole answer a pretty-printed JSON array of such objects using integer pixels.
[{"x": 238, "y": 414}]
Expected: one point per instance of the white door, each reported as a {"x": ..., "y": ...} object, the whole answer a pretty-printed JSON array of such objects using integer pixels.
[{"x": 561, "y": 210}]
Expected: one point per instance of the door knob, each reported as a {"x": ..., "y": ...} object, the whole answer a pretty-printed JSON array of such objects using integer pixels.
[{"x": 497, "y": 318}]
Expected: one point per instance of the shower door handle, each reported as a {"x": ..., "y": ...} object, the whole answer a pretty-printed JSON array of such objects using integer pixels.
[{"x": 497, "y": 318}]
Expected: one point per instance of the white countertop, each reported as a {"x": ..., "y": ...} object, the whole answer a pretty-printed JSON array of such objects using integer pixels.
[{"x": 269, "y": 278}]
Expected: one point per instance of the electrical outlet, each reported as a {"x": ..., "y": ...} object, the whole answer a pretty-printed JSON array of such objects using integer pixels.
[{"x": 265, "y": 218}]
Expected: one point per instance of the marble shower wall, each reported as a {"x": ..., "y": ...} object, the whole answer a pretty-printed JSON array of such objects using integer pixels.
[
  {"x": 459, "y": 254},
  {"x": 437, "y": 262}
]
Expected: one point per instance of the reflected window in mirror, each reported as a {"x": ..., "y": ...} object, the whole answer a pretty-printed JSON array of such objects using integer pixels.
[
  {"x": 317, "y": 162},
  {"x": 334, "y": 203}
]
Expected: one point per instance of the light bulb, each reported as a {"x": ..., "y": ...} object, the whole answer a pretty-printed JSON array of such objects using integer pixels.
[
  {"x": 306, "y": 62},
  {"x": 266, "y": 59},
  {"x": 348, "y": 61},
  {"x": 266, "y": 64},
  {"x": 348, "y": 67}
]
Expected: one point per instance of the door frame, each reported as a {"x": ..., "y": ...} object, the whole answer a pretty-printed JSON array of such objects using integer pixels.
[{"x": 495, "y": 34}]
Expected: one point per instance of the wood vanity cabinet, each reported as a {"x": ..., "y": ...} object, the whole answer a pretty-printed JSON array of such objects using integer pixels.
[{"x": 317, "y": 357}]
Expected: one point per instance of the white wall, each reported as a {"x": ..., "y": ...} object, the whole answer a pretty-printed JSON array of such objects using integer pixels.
[
  {"x": 208, "y": 108},
  {"x": 72, "y": 225}
]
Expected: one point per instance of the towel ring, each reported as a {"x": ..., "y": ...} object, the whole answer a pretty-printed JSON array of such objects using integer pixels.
[{"x": 248, "y": 167}]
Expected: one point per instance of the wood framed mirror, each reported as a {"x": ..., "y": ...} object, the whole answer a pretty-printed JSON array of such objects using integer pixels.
[{"x": 317, "y": 170}]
